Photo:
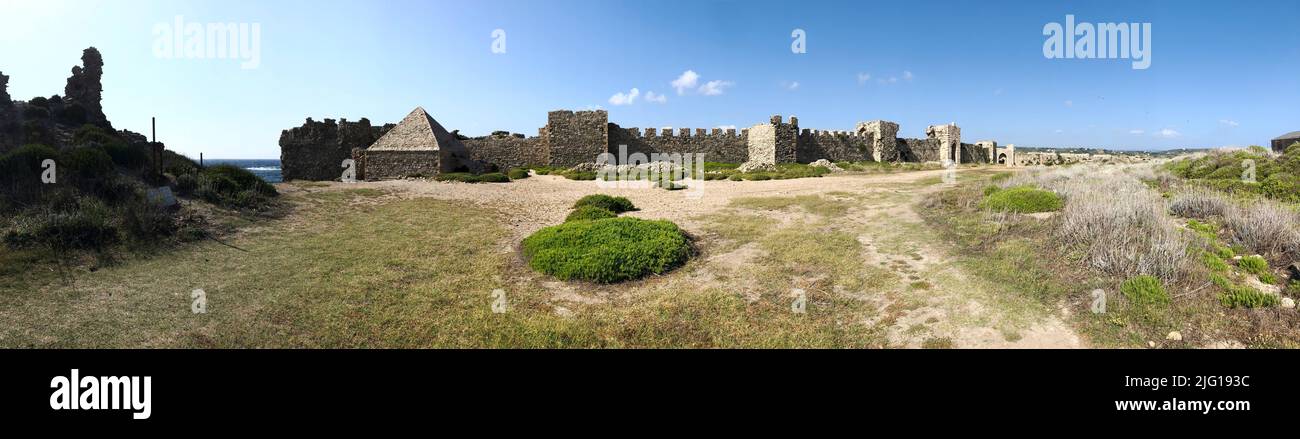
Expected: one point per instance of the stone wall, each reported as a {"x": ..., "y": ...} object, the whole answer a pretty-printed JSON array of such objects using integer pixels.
[
  {"x": 948, "y": 138},
  {"x": 316, "y": 150},
  {"x": 761, "y": 147},
  {"x": 787, "y": 139},
  {"x": 883, "y": 137},
  {"x": 918, "y": 150},
  {"x": 717, "y": 146},
  {"x": 571, "y": 138},
  {"x": 388, "y": 164},
  {"x": 506, "y": 150},
  {"x": 974, "y": 153},
  {"x": 836, "y": 146}
]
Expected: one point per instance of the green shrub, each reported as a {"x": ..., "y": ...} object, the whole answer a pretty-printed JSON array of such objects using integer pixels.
[
  {"x": 1223, "y": 252},
  {"x": 1254, "y": 265},
  {"x": 1144, "y": 290},
  {"x": 736, "y": 177},
  {"x": 607, "y": 250},
  {"x": 127, "y": 156},
  {"x": 1023, "y": 199},
  {"x": 186, "y": 184},
  {"x": 233, "y": 186},
  {"x": 991, "y": 189},
  {"x": 243, "y": 179},
  {"x": 89, "y": 163},
  {"x": 1246, "y": 297},
  {"x": 494, "y": 177},
  {"x": 93, "y": 133},
  {"x": 83, "y": 223},
  {"x": 463, "y": 177},
  {"x": 588, "y": 213},
  {"x": 579, "y": 175},
  {"x": 612, "y": 204},
  {"x": 1213, "y": 262},
  {"x": 517, "y": 173}
]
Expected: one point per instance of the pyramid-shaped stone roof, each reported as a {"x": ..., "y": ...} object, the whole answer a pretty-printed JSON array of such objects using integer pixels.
[{"x": 417, "y": 132}]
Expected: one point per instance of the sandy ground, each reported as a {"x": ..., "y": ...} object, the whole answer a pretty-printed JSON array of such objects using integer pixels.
[{"x": 954, "y": 306}]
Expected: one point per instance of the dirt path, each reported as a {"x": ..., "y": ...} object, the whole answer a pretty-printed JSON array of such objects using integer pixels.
[{"x": 936, "y": 302}]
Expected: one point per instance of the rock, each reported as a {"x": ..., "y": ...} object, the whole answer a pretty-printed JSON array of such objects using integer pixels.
[
  {"x": 1288, "y": 303},
  {"x": 1293, "y": 272},
  {"x": 823, "y": 163},
  {"x": 755, "y": 166},
  {"x": 1151, "y": 344},
  {"x": 162, "y": 196},
  {"x": 1237, "y": 258},
  {"x": 1174, "y": 336}
]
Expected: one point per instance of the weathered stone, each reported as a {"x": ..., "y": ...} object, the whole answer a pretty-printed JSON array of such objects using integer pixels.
[
  {"x": 5, "y": 101},
  {"x": 576, "y": 137},
  {"x": 883, "y": 139},
  {"x": 85, "y": 87},
  {"x": 823, "y": 163},
  {"x": 949, "y": 140},
  {"x": 762, "y": 148},
  {"x": 1174, "y": 336},
  {"x": 1288, "y": 303},
  {"x": 417, "y": 146},
  {"x": 315, "y": 151}
]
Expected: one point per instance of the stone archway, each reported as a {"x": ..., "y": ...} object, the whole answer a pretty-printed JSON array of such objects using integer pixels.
[{"x": 1002, "y": 158}]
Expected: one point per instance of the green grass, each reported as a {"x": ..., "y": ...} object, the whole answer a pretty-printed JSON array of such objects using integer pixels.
[
  {"x": 1022, "y": 199},
  {"x": 607, "y": 250},
  {"x": 814, "y": 204},
  {"x": 1214, "y": 263}
]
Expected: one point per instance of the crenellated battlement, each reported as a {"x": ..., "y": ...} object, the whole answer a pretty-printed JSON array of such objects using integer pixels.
[{"x": 574, "y": 137}]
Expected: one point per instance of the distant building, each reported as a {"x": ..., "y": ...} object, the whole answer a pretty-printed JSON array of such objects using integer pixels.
[{"x": 1282, "y": 142}]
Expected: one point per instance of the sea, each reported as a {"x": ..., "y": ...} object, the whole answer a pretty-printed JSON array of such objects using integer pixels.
[{"x": 268, "y": 169}]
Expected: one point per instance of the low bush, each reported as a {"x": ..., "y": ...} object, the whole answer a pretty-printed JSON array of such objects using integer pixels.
[
  {"x": 1023, "y": 199},
  {"x": 1265, "y": 227},
  {"x": 517, "y": 173},
  {"x": 493, "y": 177},
  {"x": 1246, "y": 297},
  {"x": 127, "y": 156},
  {"x": 607, "y": 250},
  {"x": 588, "y": 213},
  {"x": 233, "y": 186},
  {"x": 1145, "y": 290},
  {"x": 89, "y": 163},
  {"x": 1214, "y": 263},
  {"x": 612, "y": 204},
  {"x": 1199, "y": 203},
  {"x": 76, "y": 224}
]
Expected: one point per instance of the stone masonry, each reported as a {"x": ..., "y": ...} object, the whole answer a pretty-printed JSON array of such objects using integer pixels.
[
  {"x": 570, "y": 138},
  {"x": 316, "y": 150},
  {"x": 948, "y": 138},
  {"x": 884, "y": 139}
]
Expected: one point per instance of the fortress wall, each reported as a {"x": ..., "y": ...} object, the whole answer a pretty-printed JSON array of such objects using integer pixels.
[
  {"x": 918, "y": 150},
  {"x": 717, "y": 145},
  {"x": 506, "y": 150},
  {"x": 571, "y": 138},
  {"x": 836, "y": 146},
  {"x": 316, "y": 150}
]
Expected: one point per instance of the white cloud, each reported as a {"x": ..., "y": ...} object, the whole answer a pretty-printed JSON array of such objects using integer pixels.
[
  {"x": 688, "y": 80},
  {"x": 1231, "y": 123},
  {"x": 1169, "y": 133},
  {"x": 863, "y": 78},
  {"x": 655, "y": 97},
  {"x": 907, "y": 75},
  {"x": 998, "y": 92},
  {"x": 1137, "y": 132},
  {"x": 726, "y": 127},
  {"x": 1069, "y": 103},
  {"x": 628, "y": 98},
  {"x": 794, "y": 85},
  {"x": 1060, "y": 131},
  {"x": 714, "y": 88},
  {"x": 891, "y": 80}
]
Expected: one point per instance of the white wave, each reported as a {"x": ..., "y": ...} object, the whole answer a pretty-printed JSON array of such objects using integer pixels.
[{"x": 272, "y": 168}]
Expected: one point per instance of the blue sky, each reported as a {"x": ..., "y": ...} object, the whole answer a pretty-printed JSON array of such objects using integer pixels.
[{"x": 1222, "y": 73}]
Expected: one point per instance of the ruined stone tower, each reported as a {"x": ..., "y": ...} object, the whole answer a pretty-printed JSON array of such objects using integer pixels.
[
  {"x": 5, "y": 101},
  {"x": 883, "y": 137},
  {"x": 84, "y": 86}
]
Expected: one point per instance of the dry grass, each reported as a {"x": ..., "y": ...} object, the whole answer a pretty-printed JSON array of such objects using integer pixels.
[
  {"x": 1266, "y": 227},
  {"x": 1199, "y": 202}
]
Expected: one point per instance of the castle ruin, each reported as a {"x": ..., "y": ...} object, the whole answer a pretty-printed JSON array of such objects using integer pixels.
[{"x": 315, "y": 151}]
